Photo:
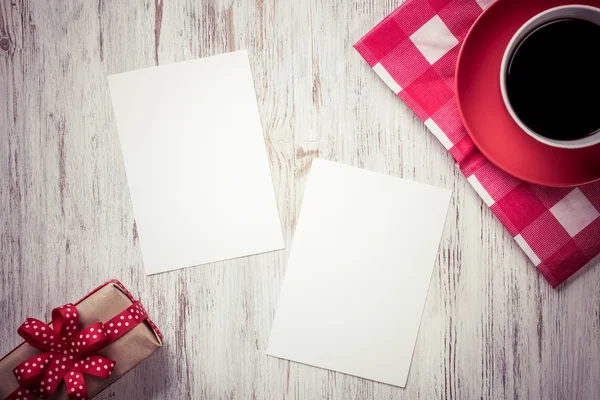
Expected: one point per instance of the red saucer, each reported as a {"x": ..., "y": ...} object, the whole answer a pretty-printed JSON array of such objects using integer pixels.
[{"x": 483, "y": 111}]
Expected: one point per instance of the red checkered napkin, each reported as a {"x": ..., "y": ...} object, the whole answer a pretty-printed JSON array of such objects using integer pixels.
[{"x": 414, "y": 51}]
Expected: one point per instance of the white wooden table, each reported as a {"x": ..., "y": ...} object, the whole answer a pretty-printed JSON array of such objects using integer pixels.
[{"x": 492, "y": 328}]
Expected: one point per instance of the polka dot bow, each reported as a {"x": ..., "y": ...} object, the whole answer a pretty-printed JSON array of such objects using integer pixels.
[{"x": 67, "y": 353}]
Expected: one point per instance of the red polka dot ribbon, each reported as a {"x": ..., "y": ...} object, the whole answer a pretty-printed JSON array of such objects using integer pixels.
[{"x": 68, "y": 352}]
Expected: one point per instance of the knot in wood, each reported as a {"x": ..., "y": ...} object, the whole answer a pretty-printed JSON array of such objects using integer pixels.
[{"x": 4, "y": 44}]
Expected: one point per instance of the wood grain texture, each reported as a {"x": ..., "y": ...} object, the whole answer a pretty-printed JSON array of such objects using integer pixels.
[{"x": 492, "y": 328}]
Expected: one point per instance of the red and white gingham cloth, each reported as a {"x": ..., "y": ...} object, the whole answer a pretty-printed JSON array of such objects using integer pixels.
[{"x": 414, "y": 50}]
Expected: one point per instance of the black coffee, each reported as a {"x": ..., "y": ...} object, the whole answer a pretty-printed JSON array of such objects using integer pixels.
[{"x": 553, "y": 80}]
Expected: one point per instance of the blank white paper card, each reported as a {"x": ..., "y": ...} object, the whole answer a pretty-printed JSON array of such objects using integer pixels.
[
  {"x": 358, "y": 272},
  {"x": 196, "y": 163}
]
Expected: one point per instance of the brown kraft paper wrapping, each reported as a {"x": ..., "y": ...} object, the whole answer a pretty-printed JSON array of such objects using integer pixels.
[{"x": 128, "y": 351}]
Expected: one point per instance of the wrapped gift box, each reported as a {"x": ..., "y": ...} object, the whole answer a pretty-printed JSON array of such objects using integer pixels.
[{"x": 119, "y": 336}]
